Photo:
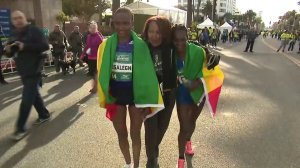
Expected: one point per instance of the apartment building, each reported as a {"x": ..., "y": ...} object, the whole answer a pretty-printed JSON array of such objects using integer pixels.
[{"x": 223, "y": 6}]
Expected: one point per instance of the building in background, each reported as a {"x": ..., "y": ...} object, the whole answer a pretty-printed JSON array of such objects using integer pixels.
[
  {"x": 226, "y": 6},
  {"x": 222, "y": 6},
  {"x": 40, "y": 12}
]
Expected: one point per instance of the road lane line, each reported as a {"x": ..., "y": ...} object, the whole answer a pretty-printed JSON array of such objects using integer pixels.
[{"x": 294, "y": 60}]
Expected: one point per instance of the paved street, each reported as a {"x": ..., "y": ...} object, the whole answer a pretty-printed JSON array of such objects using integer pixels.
[{"x": 257, "y": 125}]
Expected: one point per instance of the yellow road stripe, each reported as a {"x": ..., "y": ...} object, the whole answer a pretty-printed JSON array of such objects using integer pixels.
[{"x": 294, "y": 60}]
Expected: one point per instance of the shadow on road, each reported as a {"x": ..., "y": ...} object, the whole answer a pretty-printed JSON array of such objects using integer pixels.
[
  {"x": 68, "y": 84},
  {"x": 42, "y": 135},
  {"x": 274, "y": 142},
  {"x": 9, "y": 94}
]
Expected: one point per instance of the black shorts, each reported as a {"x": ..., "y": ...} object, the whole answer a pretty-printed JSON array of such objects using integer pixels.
[
  {"x": 123, "y": 94},
  {"x": 92, "y": 67}
]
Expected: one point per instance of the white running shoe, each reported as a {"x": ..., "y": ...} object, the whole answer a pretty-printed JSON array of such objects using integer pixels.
[{"x": 128, "y": 166}]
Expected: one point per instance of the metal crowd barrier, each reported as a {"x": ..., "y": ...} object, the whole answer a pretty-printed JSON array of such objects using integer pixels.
[{"x": 8, "y": 65}]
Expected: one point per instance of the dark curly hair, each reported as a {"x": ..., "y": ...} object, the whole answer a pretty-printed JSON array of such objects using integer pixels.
[
  {"x": 124, "y": 10},
  {"x": 164, "y": 26},
  {"x": 179, "y": 27}
]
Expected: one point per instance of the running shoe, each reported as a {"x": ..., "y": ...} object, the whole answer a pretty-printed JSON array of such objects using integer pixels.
[
  {"x": 180, "y": 163},
  {"x": 188, "y": 148}
]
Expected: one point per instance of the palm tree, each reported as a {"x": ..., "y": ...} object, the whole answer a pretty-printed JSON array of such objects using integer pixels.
[
  {"x": 207, "y": 9},
  {"x": 250, "y": 16},
  {"x": 214, "y": 5},
  {"x": 198, "y": 10},
  {"x": 189, "y": 13},
  {"x": 115, "y": 5},
  {"x": 227, "y": 16}
]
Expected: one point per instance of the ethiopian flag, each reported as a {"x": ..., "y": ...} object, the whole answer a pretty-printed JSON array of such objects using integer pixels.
[
  {"x": 146, "y": 89},
  {"x": 212, "y": 79}
]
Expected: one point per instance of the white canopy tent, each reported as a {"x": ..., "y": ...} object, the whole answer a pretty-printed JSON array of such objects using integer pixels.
[
  {"x": 207, "y": 23},
  {"x": 175, "y": 15},
  {"x": 225, "y": 26}
]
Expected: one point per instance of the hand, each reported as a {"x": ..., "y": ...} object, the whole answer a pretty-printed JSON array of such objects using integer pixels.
[
  {"x": 7, "y": 48},
  {"x": 20, "y": 44},
  {"x": 194, "y": 85}
]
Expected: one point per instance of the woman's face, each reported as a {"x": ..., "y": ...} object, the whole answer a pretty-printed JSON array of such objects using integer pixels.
[
  {"x": 179, "y": 40},
  {"x": 122, "y": 24},
  {"x": 154, "y": 34},
  {"x": 93, "y": 28}
]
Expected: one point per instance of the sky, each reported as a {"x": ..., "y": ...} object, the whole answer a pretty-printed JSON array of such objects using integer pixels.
[{"x": 271, "y": 9}]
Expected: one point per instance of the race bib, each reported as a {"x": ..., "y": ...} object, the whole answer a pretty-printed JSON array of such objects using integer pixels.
[{"x": 122, "y": 67}]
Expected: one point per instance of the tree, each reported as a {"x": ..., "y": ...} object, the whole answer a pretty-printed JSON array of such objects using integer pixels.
[
  {"x": 214, "y": 9},
  {"x": 84, "y": 8},
  {"x": 115, "y": 5},
  {"x": 227, "y": 16},
  {"x": 198, "y": 10},
  {"x": 250, "y": 17},
  {"x": 207, "y": 9},
  {"x": 61, "y": 17},
  {"x": 129, "y": 2},
  {"x": 189, "y": 13}
]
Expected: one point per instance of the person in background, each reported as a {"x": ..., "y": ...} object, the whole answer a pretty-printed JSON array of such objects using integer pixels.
[
  {"x": 285, "y": 37},
  {"x": 84, "y": 38},
  {"x": 27, "y": 44},
  {"x": 45, "y": 32},
  {"x": 204, "y": 37},
  {"x": 214, "y": 36},
  {"x": 93, "y": 41},
  {"x": 58, "y": 40},
  {"x": 75, "y": 41},
  {"x": 293, "y": 38},
  {"x": 251, "y": 36}
]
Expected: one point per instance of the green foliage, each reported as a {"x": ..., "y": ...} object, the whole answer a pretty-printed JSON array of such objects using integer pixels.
[
  {"x": 207, "y": 9},
  {"x": 227, "y": 16},
  {"x": 289, "y": 21},
  {"x": 83, "y": 8},
  {"x": 129, "y": 2},
  {"x": 62, "y": 17}
]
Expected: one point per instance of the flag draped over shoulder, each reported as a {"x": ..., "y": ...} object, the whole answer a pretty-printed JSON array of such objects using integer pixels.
[
  {"x": 212, "y": 79},
  {"x": 145, "y": 84}
]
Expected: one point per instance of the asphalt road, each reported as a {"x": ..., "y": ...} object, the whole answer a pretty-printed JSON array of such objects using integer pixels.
[{"x": 257, "y": 125}]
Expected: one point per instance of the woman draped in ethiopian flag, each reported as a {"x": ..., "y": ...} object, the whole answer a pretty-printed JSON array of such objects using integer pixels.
[
  {"x": 196, "y": 85},
  {"x": 127, "y": 79}
]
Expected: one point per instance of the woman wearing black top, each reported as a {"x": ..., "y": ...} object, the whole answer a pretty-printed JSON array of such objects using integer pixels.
[{"x": 157, "y": 33}]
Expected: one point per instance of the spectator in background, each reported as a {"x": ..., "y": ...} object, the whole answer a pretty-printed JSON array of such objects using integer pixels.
[
  {"x": 58, "y": 40},
  {"x": 75, "y": 41},
  {"x": 251, "y": 36},
  {"x": 93, "y": 41},
  {"x": 285, "y": 37},
  {"x": 214, "y": 36}
]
